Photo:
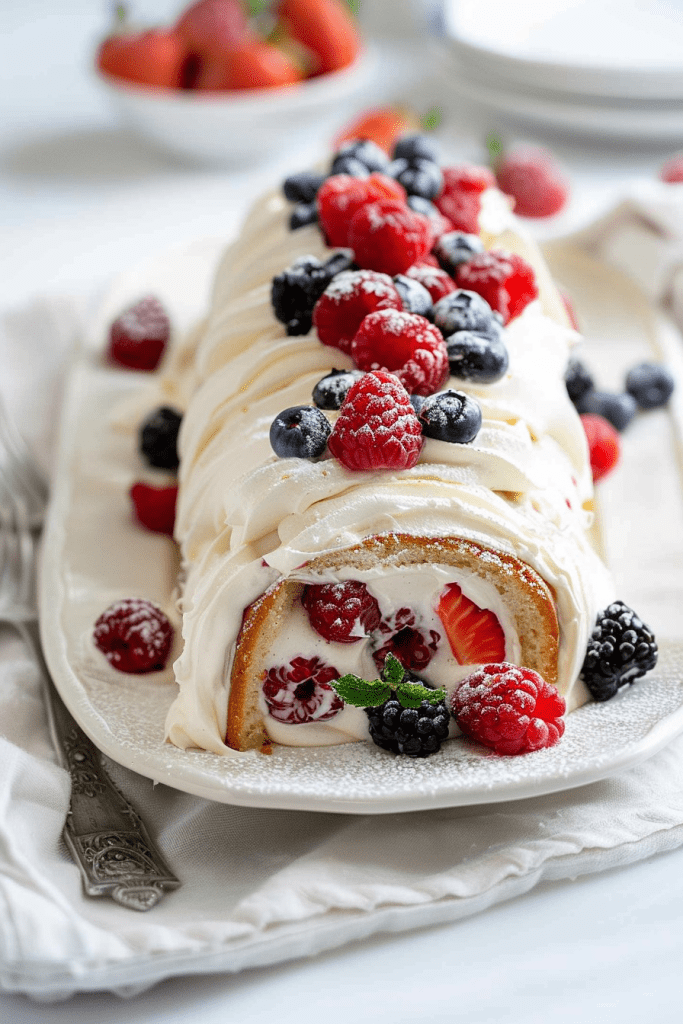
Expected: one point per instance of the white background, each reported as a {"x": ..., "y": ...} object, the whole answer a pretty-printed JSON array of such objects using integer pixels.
[{"x": 79, "y": 198}]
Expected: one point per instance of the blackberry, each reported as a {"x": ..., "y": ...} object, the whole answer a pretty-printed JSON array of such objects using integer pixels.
[
  {"x": 456, "y": 247},
  {"x": 417, "y": 732},
  {"x": 366, "y": 152},
  {"x": 303, "y": 214},
  {"x": 618, "y": 409},
  {"x": 650, "y": 384},
  {"x": 450, "y": 416},
  {"x": 463, "y": 310},
  {"x": 620, "y": 650},
  {"x": 477, "y": 358},
  {"x": 578, "y": 379},
  {"x": 414, "y": 296},
  {"x": 300, "y": 432},
  {"x": 296, "y": 290},
  {"x": 158, "y": 438},
  {"x": 330, "y": 391},
  {"x": 417, "y": 147},
  {"x": 302, "y": 187}
]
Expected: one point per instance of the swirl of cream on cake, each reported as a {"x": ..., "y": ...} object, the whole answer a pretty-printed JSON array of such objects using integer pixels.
[{"x": 246, "y": 518}]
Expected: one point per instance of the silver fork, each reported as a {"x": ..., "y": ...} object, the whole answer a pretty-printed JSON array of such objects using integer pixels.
[{"x": 105, "y": 835}]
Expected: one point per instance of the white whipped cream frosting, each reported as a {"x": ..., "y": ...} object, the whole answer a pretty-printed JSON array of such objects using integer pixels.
[{"x": 246, "y": 518}]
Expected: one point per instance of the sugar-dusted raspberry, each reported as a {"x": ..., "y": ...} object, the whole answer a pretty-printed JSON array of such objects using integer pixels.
[
  {"x": 341, "y": 613},
  {"x": 407, "y": 345},
  {"x": 535, "y": 181},
  {"x": 604, "y": 444},
  {"x": 388, "y": 236},
  {"x": 139, "y": 335},
  {"x": 300, "y": 691},
  {"x": 346, "y": 302},
  {"x": 461, "y": 210},
  {"x": 377, "y": 427},
  {"x": 413, "y": 644},
  {"x": 154, "y": 507},
  {"x": 341, "y": 195},
  {"x": 134, "y": 635},
  {"x": 509, "y": 709},
  {"x": 467, "y": 178},
  {"x": 434, "y": 279},
  {"x": 672, "y": 170},
  {"x": 505, "y": 280}
]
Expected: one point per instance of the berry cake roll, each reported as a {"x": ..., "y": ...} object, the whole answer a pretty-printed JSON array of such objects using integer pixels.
[{"x": 379, "y": 465}]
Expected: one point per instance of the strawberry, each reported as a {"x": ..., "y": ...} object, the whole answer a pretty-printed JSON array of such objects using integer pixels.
[
  {"x": 156, "y": 58},
  {"x": 672, "y": 171},
  {"x": 253, "y": 65},
  {"x": 213, "y": 27},
  {"x": 474, "y": 633},
  {"x": 325, "y": 27},
  {"x": 382, "y": 125}
]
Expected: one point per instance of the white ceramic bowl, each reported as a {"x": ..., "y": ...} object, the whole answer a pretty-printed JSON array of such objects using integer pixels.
[{"x": 239, "y": 127}]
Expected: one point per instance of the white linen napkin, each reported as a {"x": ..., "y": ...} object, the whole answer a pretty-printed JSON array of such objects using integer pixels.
[{"x": 262, "y": 886}]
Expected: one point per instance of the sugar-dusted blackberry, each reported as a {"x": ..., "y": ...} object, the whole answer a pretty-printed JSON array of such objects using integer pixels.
[
  {"x": 618, "y": 409},
  {"x": 417, "y": 147},
  {"x": 414, "y": 296},
  {"x": 300, "y": 432},
  {"x": 295, "y": 292},
  {"x": 416, "y": 732},
  {"x": 651, "y": 385},
  {"x": 464, "y": 310},
  {"x": 303, "y": 214},
  {"x": 158, "y": 437},
  {"x": 302, "y": 187},
  {"x": 419, "y": 177},
  {"x": 456, "y": 247},
  {"x": 578, "y": 379},
  {"x": 331, "y": 390},
  {"x": 450, "y": 416},
  {"x": 477, "y": 358},
  {"x": 620, "y": 650},
  {"x": 366, "y": 152}
]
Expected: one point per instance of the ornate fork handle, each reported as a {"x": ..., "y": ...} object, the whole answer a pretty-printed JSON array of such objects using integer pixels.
[{"x": 104, "y": 833}]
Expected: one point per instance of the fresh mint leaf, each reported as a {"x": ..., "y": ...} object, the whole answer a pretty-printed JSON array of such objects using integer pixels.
[
  {"x": 362, "y": 693},
  {"x": 393, "y": 671},
  {"x": 411, "y": 695}
]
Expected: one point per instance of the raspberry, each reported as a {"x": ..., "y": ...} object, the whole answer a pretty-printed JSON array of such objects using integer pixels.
[
  {"x": 341, "y": 196},
  {"x": 434, "y": 279},
  {"x": 134, "y": 635},
  {"x": 413, "y": 647},
  {"x": 467, "y": 178},
  {"x": 461, "y": 210},
  {"x": 534, "y": 180},
  {"x": 346, "y": 302},
  {"x": 504, "y": 279},
  {"x": 301, "y": 691},
  {"x": 139, "y": 335},
  {"x": 377, "y": 427},
  {"x": 672, "y": 170},
  {"x": 155, "y": 507},
  {"x": 620, "y": 650},
  {"x": 407, "y": 345},
  {"x": 509, "y": 709},
  {"x": 604, "y": 444},
  {"x": 341, "y": 613},
  {"x": 388, "y": 236}
]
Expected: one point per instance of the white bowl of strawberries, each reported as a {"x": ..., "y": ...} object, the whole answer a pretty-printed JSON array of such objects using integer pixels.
[{"x": 224, "y": 86}]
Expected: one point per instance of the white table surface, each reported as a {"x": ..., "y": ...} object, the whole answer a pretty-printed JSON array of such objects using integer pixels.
[{"x": 81, "y": 198}]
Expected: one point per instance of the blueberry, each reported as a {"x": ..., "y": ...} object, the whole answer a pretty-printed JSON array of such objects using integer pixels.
[
  {"x": 476, "y": 358},
  {"x": 295, "y": 292},
  {"x": 302, "y": 187},
  {"x": 300, "y": 433},
  {"x": 422, "y": 205},
  {"x": 578, "y": 379},
  {"x": 450, "y": 416},
  {"x": 366, "y": 152},
  {"x": 618, "y": 409},
  {"x": 456, "y": 247},
  {"x": 650, "y": 384},
  {"x": 414, "y": 296},
  {"x": 338, "y": 262},
  {"x": 462, "y": 310},
  {"x": 422, "y": 178},
  {"x": 158, "y": 438},
  {"x": 303, "y": 214},
  {"x": 349, "y": 165},
  {"x": 330, "y": 392},
  {"x": 417, "y": 401},
  {"x": 417, "y": 147},
  {"x": 397, "y": 167}
]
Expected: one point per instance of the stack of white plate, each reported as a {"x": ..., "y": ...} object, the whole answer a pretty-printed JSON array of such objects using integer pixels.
[{"x": 601, "y": 67}]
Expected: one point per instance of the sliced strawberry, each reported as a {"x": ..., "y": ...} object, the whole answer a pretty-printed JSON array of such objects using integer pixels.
[
  {"x": 324, "y": 26},
  {"x": 475, "y": 634}
]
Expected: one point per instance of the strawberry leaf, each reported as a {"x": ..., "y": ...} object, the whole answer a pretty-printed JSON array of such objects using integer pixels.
[
  {"x": 411, "y": 695},
  {"x": 361, "y": 693}
]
